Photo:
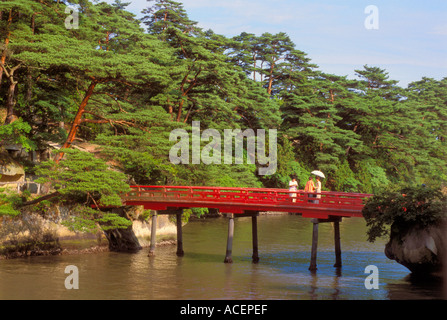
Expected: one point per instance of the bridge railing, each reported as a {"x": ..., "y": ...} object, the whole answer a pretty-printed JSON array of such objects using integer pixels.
[{"x": 265, "y": 196}]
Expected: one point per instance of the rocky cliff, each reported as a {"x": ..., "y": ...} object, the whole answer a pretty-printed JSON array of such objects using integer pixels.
[{"x": 421, "y": 250}]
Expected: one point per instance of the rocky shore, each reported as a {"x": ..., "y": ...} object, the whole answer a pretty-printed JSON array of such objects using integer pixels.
[
  {"x": 65, "y": 242},
  {"x": 56, "y": 239}
]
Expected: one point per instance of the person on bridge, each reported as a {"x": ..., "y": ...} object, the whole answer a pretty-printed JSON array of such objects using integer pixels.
[
  {"x": 318, "y": 189},
  {"x": 293, "y": 186},
  {"x": 310, "y": 187}
]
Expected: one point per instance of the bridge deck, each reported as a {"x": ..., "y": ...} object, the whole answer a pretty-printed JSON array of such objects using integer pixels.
[{"x": 241, "y": 200}]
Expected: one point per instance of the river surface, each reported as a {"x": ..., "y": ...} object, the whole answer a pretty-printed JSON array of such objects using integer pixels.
[{"x": 282, "y": 272}]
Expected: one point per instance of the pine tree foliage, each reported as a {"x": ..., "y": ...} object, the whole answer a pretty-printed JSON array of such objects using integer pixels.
[
  {"x": 82, "y": 176},
  {"x": 125, "y": 84},
  {"x": 88, "y": 183}
]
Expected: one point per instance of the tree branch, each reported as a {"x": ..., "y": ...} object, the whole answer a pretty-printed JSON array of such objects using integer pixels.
[{"x": 45, "y": 197}]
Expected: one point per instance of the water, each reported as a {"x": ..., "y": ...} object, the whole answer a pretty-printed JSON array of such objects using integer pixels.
[{"x": 282, "y": 273}]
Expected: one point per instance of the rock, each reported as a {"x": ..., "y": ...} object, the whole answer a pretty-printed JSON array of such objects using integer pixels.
[
  {"x": 421, "y": 250},
  {"x": 10, "y": 171},
  {"x": 122, "y": 240}
]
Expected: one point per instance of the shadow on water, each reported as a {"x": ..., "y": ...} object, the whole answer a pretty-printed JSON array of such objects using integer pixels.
[{"x": 414, "y": 287}]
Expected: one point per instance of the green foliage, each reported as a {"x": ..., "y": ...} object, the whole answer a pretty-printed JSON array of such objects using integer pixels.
[
  {"x": 83, "y": 176},
  {"x": 16, "y": 133},
  {"x": 89, "y": 220},
  {"x": 371, "y": 176},
  {"x": 84, "y": 181},
  {"x": 400, "y": 208},
  {"x": 110, "y": 221},
  {"x": 197, "y": 212},
  {"x": 344, "y": 179},
  {"x": 9, "y": 202},
  {"x": 364, "y": 133},
  {"x": 82, "y": 219}
]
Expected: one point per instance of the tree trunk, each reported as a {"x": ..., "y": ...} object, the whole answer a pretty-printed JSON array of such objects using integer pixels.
[
  {"x": 269, "y": 89},
  {"x": 185, "y": 92},
  {"x": 180, "y": 107},
  {"x": 10, "y": 102},
  {"x": 77, "y": 120},
  {"x": 122, "y": 240},
  {"x": 8, "y": 35}
]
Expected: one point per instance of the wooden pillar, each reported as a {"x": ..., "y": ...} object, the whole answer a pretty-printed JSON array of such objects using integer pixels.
[
  {"x": 153, "y": 235},
  {"x": 337, "y": 244},
  {"x": 313, "y": 256},
  {"x": 254, "y": 228},
  {"x": 228, "y": 253},
  {"x": 178, "y": 214}
]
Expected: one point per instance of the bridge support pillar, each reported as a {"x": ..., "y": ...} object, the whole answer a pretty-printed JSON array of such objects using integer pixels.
[
  {"x": 180, "y": 251},
  {"x": 254, "y": 228},
  {"x": 313, "y": 255},
  {"x": 229, "y": 251},
  {"x": 254, "y": 224},
  {"x": 153, "y": 235},
  {"x": 337, "y": 244}
]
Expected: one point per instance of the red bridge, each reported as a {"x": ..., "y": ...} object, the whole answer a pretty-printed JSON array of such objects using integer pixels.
[
  {"x": 237, "y": 202},
  {"x": 241, "y": 200}
]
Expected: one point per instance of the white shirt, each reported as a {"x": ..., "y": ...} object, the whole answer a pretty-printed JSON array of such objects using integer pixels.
[
  {"x": 318, "y": 188},
  {"x": 293, "y": 186}
]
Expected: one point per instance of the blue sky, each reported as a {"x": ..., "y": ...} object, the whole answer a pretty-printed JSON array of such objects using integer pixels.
[{"x": 410, "y": 42}]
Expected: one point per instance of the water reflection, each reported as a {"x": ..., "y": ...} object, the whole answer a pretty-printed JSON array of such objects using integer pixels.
[
  {"x": 282, "y": 273},
  {"x": 331, "y": 283},
  {"x": 416, "y": 288}
]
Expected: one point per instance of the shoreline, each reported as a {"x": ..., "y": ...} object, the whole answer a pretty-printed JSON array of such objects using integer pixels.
[
  {"x": 89, "y": 244},
  {"x": 59, "y": 251}
]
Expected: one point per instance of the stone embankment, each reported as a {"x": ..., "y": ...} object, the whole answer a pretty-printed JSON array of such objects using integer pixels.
[{"x": 35, "y": 236}]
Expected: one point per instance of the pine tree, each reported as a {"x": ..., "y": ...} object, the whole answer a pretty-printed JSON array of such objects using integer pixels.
[
  {"x": 245, "y": 52},
  {"x": 423, "y": 120},
  {"x": 165, "y": 14},
  {"x": 312, "y": 118},
  {"x": 83, "y": 179},
  {"x": 14, "y": 27},
  {"x": 119, "y": 60}
]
